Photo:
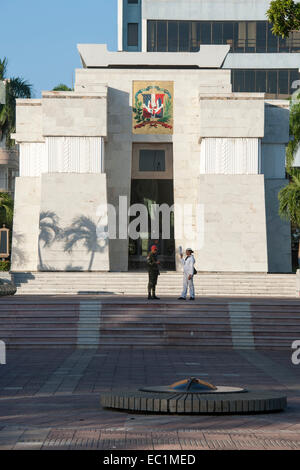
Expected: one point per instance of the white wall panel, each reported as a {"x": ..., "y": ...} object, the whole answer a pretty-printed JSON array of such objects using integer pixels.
[
  {"x": 62, "y": 155},
  {"x": 235, "y": 156},
  {"x": 33, "y": 159},
  {"x": 74, "y": 154}
]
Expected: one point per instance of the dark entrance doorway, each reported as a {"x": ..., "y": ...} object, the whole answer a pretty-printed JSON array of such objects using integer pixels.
[
  {"x": 152, "y": 183},
  {"x": 148, "y": 192}
]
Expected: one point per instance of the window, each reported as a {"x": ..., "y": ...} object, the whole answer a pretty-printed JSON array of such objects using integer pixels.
[
  {"x": 152, "y": 40},
  {"x": 261, "y": 37},
  {"x": 133, "y": 2},
  {"x": 283, "y": 82},
  {"x": 152, "y": 160},
  {"x": 228, "y": 33},
  {"x": 133, "y": 34},
  {"x": 173, "y": 37},
  {"x": 261, "y": 83},
  {"x": 161, "y": 36},
  {"x": 271, "y": 82},
  {"x": 205, "y": 36},
  {"x": 272, "y": 44},
  {"x": 184, "y": 43},
  {"x": 217, "y": 33},
  {"x": 242, "y": 36}
]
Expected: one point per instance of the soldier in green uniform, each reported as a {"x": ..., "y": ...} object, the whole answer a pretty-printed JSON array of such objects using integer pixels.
[{"x": 153, "y": 270}]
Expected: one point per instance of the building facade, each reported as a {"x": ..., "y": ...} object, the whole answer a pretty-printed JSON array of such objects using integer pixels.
[
  {"x": 258, "y": 60},
  {"x": 151, "y": 128}
]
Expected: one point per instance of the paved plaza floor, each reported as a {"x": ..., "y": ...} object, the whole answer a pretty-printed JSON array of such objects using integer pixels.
[{"x": 49, "y": 399}]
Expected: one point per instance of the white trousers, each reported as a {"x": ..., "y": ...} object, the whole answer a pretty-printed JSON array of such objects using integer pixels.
[{"x": 188, "y": 285}]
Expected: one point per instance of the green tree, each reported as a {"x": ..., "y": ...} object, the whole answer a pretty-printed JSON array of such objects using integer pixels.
[
  {"x": 16, "y": 87},
  {"x": 289, "y": 197},
  {"x": 62, "y": 87},
  {"x": 294, "y": 143},
  {"x": 284, "y": 16},
  {"x": 289, "y": 204}
]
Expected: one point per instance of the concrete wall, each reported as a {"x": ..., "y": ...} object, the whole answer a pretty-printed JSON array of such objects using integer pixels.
[
  {"x": 277, "y": 122},
  {"x": 234, "y": 205},
  {"x": 276, "y": 137},
  {"x": 269, "y": 60},
  {"x": 278, "y": 231},
  {"x": 273, "y": 167},
  {"x": 232, "y": 117},
  {"x": 273, "y": 161},
  {"x": 26, "y": 224},
  {"x": 50, "y": 204},
  {"x": 188, "y": 84},
  {"x": 221, "y": 10},
  {"x": 74, "y": 115},
  {"x": 234, "y": 223},
  {"x": 29, "y": 119},
  {"x": 75, "y": 210},
  {"x": 62, "y": 114}
]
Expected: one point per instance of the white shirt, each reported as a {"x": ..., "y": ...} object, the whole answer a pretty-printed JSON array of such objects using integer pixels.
[{"x": 188, "y": 265}]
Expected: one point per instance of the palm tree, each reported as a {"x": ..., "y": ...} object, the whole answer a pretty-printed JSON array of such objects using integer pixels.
[
  {"x": 15, "y": 88},
  {"x": 7, "y": 208},
  {"x": 289, "y": 204},
  {"x": 84, "y": 230}
]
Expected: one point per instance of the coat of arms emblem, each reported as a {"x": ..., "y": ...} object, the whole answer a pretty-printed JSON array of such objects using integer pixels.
[{"x": 153, "y": 108}]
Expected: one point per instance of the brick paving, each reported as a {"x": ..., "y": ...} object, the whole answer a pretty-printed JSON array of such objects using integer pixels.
[{"x": 49, "y": 399}]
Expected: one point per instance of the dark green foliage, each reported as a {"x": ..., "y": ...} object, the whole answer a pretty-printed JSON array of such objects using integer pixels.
[
  {"x": 4, "y": 265},
  {"x": 62, "y": 87},
  {"x": 294, "y": 143},
  {"x": 6, "y": 209},
  {"x": 284, "y": 16},
  {"x": 15, "y": 88}
]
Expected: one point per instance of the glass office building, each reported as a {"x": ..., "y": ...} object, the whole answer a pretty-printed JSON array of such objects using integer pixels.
[{"x": 266, "y": 63}]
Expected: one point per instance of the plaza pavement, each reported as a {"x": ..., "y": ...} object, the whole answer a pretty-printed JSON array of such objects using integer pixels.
[{"x": 49, "y": 399}]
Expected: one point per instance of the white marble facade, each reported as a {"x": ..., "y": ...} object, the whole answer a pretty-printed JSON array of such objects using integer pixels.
[{"x": 227, "y": 148}]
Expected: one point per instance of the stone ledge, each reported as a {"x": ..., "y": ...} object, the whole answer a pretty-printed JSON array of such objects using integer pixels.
[{"x": 185, "y": 403}]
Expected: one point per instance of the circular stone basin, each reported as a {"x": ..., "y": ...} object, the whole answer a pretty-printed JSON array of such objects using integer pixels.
[{"x": 194, "y": 396}]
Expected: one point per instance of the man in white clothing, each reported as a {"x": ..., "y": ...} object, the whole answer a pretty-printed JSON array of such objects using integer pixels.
[{"x": 188, "y": 274}]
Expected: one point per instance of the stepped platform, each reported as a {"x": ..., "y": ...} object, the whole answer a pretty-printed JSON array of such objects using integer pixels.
[
  {"x": 102, "y": 321},
  {"x": 169, "y": 284}
]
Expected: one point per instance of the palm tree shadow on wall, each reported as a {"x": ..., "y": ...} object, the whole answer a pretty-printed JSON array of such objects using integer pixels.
[
  {"x": 50, "y": 232},
  {"x": 18, "y": 256},
  {"x": 84, "y": 230}
]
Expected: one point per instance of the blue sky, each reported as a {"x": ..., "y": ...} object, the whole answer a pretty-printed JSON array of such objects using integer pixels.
[{"x": 39, "y": 38}]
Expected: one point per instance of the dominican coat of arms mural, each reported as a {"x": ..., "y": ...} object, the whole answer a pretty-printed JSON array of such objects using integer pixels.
[{"x": 153, "y": 107}]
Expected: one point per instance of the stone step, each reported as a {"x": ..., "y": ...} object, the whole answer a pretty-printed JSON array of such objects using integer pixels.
[{"x": 47, "y": 322}]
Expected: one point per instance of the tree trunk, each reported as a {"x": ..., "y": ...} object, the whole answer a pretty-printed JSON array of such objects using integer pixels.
[{"x": 40, "y": 256}]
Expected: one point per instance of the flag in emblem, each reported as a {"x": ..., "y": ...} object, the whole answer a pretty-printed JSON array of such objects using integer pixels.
[{"x": 153, "y": 105}]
